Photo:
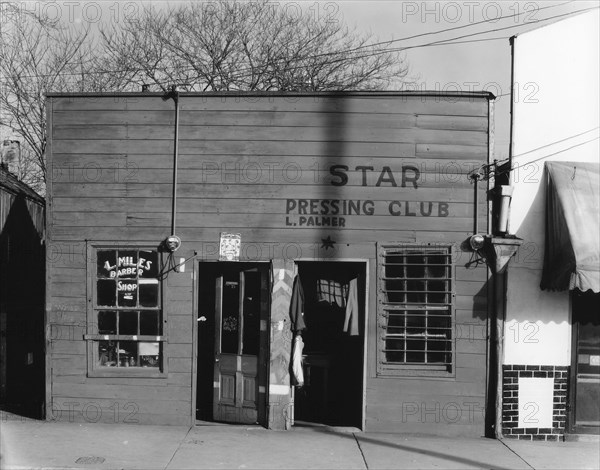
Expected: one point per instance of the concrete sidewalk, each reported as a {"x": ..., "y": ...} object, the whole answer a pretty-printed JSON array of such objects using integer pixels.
[{"x": 29, "y": 444}]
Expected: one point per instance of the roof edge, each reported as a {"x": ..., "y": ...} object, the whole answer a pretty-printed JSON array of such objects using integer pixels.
[
  {"x": 433, "y": 93},
  {"x": 12, "y": 184}
]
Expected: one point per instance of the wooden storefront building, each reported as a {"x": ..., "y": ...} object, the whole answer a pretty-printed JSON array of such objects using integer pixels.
[{"x": 353, "y": 208}]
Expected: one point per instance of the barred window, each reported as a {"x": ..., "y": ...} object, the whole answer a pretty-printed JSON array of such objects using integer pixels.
[
  {"x": 415, "y": 314},
  {"x": 125, "y": 322}
]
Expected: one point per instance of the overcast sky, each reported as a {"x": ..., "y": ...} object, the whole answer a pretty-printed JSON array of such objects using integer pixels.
[
  {"x": 481, "y": 61},
  {"x": 484, "y": 64}
]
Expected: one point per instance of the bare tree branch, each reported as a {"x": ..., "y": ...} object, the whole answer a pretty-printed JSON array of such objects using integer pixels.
[{"x": 211, "y": 46}]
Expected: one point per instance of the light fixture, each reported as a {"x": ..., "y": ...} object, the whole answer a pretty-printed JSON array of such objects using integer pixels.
[
  {"x": 476, "y": 241},
  {"x": 172, "y": 243}
]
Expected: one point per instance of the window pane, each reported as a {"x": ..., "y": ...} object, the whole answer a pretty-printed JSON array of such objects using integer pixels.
[
  {"x": 107, "y": 322},
  {"x": 394, "y": 266},
  {"x": 148, "y": 264},
  {"x": 128, "y": 322},
  {"x": 251, "y": 313},
  {"x": 106, "y": 293},
  {"x": 126, "y": 281},
  {"x": 231, "y": 312},
  {"x": 439, "y": 324},
  {"x": 415, "y": 324},
  {"x": 395, "y": 291},
  {"x": 127, "y": 264},
  {"x": 149, "y": 354},
  {"x": 148, "y": 292},
  {"x": 106, "y": 264},
  {"x": 415, "y": 294},
  {"x": 434, "y": 297},
  {"x": 415, "y": 350},
  {"x": 415, "y": 268},
  {"x": 395, "y": 319},
  {"x": 149, "y": 323},
  {"x": 433, "y": 270},
  {"x": 394, "y": 350},
  {"x": 127, "y": 293},
  {"x": 128, "y": 353},
  {"x": 107, "y": 353},
  {"x": 437, "y": 351}
]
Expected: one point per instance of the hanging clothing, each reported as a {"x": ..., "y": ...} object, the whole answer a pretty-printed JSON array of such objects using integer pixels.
[
  {"x": 351, "y": 319},
  {"x": 333, "y": 292},
  {"x": 297, "y": 306},
  {"x": 297, "y": 372}
]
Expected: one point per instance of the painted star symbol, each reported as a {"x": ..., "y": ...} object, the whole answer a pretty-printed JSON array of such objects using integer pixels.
[{"x": 327, "y": 243}]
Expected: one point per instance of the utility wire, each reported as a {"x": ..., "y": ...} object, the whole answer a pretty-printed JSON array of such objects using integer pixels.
[
  {"x": 448, "y": 41},
  {"x": 549, "y": 155},
  {"x": 495, "y": 163},
  {"x": 244, "y": 73},
  {"x": 455, "y": 28}
]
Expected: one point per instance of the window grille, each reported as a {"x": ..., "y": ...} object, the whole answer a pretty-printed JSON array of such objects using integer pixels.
[{"x": 415, "y": 312}]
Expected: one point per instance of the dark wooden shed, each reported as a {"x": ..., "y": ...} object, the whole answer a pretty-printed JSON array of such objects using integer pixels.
[{"x": 22, "y": 278}]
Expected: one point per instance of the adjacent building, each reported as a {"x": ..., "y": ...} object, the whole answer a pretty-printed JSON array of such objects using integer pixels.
[
  {"x": 552, "y": 333},
  {"x": 22, "y": 267}
]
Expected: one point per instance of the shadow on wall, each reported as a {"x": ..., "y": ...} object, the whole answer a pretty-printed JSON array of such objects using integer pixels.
[
  {"x": 526, "y": 301},
  {"x": 22, "y": 281}
]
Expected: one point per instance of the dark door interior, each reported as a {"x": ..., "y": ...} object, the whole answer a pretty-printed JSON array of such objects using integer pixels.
[
  {"x": 333, "y": 358},
  {"x": 232, "y": 336},
  {"x": 585, "y": 373}
]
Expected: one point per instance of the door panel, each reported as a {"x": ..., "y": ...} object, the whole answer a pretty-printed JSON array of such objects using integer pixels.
[
  {"x": 240, "y": 308},
  {"x": 586, "y": 363}
]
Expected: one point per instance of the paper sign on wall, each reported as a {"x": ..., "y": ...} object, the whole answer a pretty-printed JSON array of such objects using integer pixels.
[{"x": 229, "y": 247}]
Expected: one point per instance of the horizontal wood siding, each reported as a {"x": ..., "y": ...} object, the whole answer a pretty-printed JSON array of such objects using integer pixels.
[{"x": 281, "y": 171}]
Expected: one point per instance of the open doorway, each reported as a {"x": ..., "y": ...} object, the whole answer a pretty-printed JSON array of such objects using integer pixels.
[
  {"x": 333, "y": 363},
  {"x": 233, "y": 309}
]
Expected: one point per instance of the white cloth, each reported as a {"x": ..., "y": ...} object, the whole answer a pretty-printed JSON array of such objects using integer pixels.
[
  {"x": 351, "y": 319},
  {"x": 298, "y": 373}
]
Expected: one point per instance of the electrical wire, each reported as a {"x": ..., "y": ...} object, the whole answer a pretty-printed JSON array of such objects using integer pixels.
[
  {"x": 483, "y": 172},
  {"x": 406, "y": 38},
  {"x": 447, "y": 41},
  {"x": 548, "y": 155}
]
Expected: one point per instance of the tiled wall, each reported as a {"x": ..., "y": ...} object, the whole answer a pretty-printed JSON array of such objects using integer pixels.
[{"x": 513, "y": 417}]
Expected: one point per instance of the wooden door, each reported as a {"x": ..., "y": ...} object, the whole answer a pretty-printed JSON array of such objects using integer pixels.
[
  {"x": 241, "y": 312},
  {"x": 585, "y": 369}
]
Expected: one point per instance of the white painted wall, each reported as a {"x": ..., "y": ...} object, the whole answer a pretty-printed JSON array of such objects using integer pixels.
[{"x": 557, "y": 111}]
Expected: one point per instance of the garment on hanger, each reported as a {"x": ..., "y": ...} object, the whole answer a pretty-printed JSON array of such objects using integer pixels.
[
  {"x": 297, "y": 306},
  {"x": 297, "y": 371},
  {"x": 333, "y": 292},
  {"x": 351, "y": 318}
]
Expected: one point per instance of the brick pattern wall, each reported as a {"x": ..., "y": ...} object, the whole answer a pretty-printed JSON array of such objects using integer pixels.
[{"x": 510, "y": 399}]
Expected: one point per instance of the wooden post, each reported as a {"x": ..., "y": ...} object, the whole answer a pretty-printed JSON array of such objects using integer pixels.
[
  {"x": 280, "y": 396},
  {"x": 499, "y": 251}
]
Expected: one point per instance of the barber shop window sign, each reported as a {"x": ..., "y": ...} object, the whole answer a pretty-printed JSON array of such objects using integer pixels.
[{"x": 229, "y": 246}]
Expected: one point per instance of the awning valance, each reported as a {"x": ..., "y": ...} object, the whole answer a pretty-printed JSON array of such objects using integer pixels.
[{"x": 572, "y": 255}]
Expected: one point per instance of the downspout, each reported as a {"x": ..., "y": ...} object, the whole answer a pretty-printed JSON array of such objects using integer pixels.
[
  {"x": 499, "y": 306},
  {"x": 175, "y": 95},
  {"x": 512, "y": 101},
  {"x": 173, "y": 242}
]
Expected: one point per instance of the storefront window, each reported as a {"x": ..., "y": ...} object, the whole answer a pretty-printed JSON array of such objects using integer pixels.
[
  {"x": 126, "y": 322},
  {"x": 415, "y": 315}
]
